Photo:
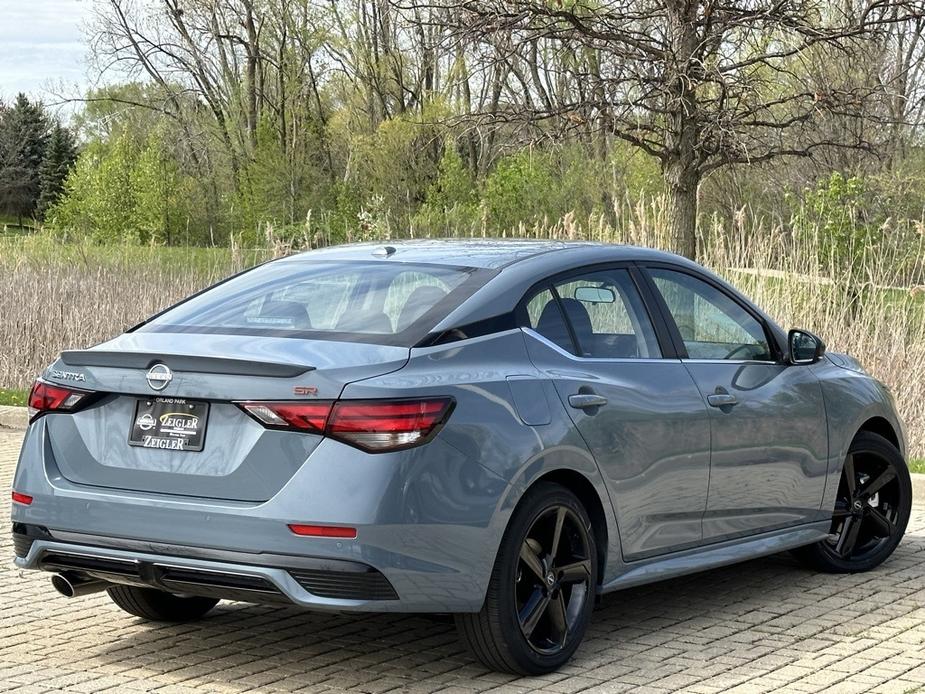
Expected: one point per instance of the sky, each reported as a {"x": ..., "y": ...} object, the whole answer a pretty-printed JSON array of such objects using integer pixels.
[{"x": 42, "y": 47}]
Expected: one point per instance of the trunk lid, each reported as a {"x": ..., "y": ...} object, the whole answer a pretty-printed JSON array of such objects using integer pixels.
[{"x": 240, "y": 460}]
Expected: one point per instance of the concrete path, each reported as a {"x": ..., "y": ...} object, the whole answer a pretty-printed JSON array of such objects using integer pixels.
[{"x": 767, "y": 625}]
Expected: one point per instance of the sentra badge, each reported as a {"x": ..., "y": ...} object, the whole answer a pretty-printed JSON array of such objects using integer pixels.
[{"x": 74, "y": 376}]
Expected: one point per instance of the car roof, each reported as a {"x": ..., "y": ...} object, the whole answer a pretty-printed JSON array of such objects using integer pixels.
[
  {"x": 514, "y": 266},
  {"x": 481, "y": 253},
  {"x": 518, "y": 264}
]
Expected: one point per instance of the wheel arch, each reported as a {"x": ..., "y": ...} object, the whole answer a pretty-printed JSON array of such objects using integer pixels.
[
  {"x": 587, "y": 494},
  {"x": 854, "y": 402},
  {"x": 881, "y": 426},
  {"x": 566, "y": 460}
]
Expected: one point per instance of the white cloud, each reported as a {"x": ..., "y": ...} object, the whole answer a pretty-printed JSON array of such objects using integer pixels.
[{"x": 42, "y": 45}]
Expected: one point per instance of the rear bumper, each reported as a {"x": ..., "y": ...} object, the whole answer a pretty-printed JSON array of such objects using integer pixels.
[
  {"x": 311, "y": 582},
  {"x": 428, "y": 521}
]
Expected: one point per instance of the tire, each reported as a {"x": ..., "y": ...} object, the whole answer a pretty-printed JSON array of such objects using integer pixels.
[
  {"x": 866, "y": 526},
  {"x": 159, "y": 606},
  {"x": 507, "y": 635}
]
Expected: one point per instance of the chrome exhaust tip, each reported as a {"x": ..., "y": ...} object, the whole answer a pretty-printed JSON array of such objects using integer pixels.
[{"x": 74, "y": 585}]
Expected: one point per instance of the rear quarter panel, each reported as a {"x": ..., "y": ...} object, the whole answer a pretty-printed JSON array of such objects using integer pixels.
[{"x": 496, "y": 389}]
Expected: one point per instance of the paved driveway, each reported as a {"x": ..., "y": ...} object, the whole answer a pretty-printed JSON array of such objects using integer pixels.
[{"x": 768, "y": 625}]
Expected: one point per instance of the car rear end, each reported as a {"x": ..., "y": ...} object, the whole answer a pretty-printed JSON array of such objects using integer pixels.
[{"x": 217, "y": 451}]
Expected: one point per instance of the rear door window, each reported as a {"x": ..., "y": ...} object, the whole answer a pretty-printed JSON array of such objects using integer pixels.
[
  {"x": 607, "y": 317},
  {"x": 545, "y": 317}
]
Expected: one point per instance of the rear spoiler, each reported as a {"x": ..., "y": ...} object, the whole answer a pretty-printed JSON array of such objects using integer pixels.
[{"x": 179, "y": 362}]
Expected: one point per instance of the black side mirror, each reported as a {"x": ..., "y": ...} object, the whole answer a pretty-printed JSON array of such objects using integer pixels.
[{"x": 804, "y": 347}]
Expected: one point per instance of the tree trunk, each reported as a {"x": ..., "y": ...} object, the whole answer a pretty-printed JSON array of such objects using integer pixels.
[
  {"x": 681, "y": 170},
  {"x": 681, "y": 185},
  {"x": 252, "y": 51}
]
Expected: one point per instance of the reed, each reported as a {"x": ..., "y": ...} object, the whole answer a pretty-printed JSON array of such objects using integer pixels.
[{"x": 55, "y": 296}]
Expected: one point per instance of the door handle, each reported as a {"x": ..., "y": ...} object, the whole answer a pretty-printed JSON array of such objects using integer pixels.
[
  {"x": 583, "y": 401},
  {"x": 721, "y": 399}
]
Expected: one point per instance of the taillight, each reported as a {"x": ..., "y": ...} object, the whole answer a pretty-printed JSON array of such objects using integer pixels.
[
  {"x": 46, "y": 397},
  {"x": 301, "y": 416},
  {"x": 371, "y": 425},
  {"x": 387, "y": 425}
]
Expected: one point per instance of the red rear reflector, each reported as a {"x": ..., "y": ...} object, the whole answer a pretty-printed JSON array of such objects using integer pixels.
[
  {"x": 324, "y": 531},
  {"x": 46, "y": 397},
  {"x": 24, "y": 499}
]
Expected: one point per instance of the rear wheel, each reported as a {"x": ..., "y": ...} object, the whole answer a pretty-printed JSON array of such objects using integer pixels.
[
  {"x": 541, "y": 593},
  {"x": 160, "y": 606},
  {"x": 872, "y": 508}
]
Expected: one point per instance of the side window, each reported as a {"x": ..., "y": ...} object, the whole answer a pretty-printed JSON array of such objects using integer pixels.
[
  {"x": 712, "y": 325},
  {"x": 606, "y": 315},
  {"x": 545, "y": 317}
]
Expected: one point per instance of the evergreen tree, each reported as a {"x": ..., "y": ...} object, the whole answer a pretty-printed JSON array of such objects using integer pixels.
[
  {"x": 60, "y": 155},
  {"x": 23, "y": 138}
]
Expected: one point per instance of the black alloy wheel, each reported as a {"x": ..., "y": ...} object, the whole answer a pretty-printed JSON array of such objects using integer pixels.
[
  {"x": 553, "y": 580},
  {"x": 541, "y": 592},
  {"x": 867, "y": 507},
  {"x": 872, "y": 507}
]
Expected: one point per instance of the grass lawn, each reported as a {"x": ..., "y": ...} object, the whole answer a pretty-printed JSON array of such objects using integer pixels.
[
  {"x": 13, "y": 397},
  {"x": 10, "y": 225},
  {"x": 917, "y": 466}
]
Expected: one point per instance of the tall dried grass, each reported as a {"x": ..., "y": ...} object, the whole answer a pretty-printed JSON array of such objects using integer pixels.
[
  {"x": 54, "y": 297},
  {"x": 872, "y": 309}
]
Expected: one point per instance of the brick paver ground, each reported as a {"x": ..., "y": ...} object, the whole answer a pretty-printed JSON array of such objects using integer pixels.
[{"x": 767, "y": 625}]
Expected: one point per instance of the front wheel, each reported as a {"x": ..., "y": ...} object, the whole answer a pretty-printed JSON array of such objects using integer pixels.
[
  {"x": 541, "y": 592},
  {"x": 872, "y": 508}
]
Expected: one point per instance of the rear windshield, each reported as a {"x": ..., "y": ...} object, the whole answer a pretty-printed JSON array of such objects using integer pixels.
[{"x": 386, "y": 303}]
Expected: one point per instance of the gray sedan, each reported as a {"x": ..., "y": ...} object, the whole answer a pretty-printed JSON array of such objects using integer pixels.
[{"x": 498, "y": 430}]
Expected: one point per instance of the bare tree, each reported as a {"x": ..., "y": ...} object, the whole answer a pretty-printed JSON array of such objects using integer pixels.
[
  {"x": 902, "y": 61},
  {"x": 698, "y": 84}
]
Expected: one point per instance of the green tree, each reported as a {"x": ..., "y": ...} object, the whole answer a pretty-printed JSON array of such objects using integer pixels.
[
  {"x": 519, "y": 190},
  {"x": 60, "y": 155},
  {"x": 451, "y": 205},
  {"x": 23, "y": 138},
  {"x": 100, "y": 195},
  {"x": 834, "y": 213},
  {"x": 158, "y": 190},
  {"x": 283, "y": 184}
]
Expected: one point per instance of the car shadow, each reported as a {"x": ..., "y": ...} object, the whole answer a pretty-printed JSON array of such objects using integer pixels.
[{"x": 740, "y": 612}]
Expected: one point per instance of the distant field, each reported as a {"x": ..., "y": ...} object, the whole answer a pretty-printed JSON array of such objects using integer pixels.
[
  {"x": 55, "y": 296},
  {"x": 9, "y": 226}
]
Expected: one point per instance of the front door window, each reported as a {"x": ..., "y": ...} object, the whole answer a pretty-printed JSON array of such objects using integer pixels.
[{"x": 712, "y": 325}]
